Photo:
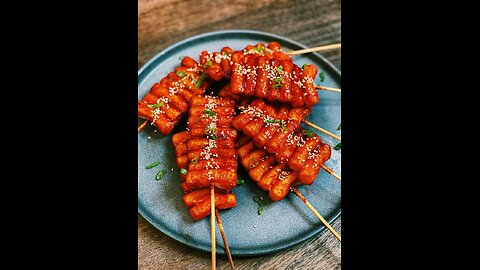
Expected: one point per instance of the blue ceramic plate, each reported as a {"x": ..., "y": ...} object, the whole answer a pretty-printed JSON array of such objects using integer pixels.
[{"x": 282, "y": 224}]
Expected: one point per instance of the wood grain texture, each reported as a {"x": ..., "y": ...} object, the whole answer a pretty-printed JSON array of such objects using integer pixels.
[{"x": 162, "y": 23}]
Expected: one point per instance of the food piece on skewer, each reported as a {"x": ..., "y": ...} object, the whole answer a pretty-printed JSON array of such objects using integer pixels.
[
  {"x": 169, "y": 99},
  {"x": 205, "y": 155},
  {"x": 263, "y": 72},
  {"x": 277, "y": 178}
]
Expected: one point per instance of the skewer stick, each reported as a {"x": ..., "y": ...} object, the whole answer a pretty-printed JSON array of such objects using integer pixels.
[
  {"x": 321, "y": 130},
  {"x": 142, "y": 125},
  {"x": 332, "y": 230},
  {"x": 319, "y": 87},
  {"x": 330, "y": 171},
  {"x": 315, "y": 49},
  {"x": 212, "y": 225},
  {"x": 224, "y": 237}
]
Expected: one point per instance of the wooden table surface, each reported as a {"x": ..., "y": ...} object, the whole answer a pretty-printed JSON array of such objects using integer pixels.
[{"x": 162, "y": 23}]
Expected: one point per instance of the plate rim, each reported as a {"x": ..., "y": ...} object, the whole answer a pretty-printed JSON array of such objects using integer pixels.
[{"x": 221, "y": 251}]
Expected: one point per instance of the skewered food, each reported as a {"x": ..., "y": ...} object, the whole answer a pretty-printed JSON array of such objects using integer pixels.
[
  {"x": 206, "y": 155},
  {"x": 307, "y": 156},
  {"x": 168, "y": 100}
]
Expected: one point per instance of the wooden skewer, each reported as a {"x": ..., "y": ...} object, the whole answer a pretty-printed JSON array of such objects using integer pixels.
[
  {"x": 224, "y": 237},
  {"x": 315, "y": 49},
  {"x": 319, "y": 87},
  {"x": 321, "y": 130},
  {"x": 330, "y": 171},
  {"x": 142, "y": 125},
  {"x": 332, "y": 230},
  {"x": 212, "y": 225}
]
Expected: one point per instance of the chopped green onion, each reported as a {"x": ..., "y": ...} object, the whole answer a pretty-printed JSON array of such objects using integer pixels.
[
  {"x": 160, "y": 174},
  {"x": 278, "y": 85},
  {"x": 308, "y": 133},
  {"x": 183, "y": 171},
  {"x": 322, "y": 76},
  {"x": 208, "y": 64},
  {"x": 210, "y": 130},
  {"x": 225, "y": 54},
  {"x": 339, "y": 126},
  {"x": 304, "y": 65},
  {"x": 156, "y": 105},
  {"x": 284, "y": 128},
  {"x": 260, "y": 203},
  {"x": 272, "y": 121},
  {"x": 210, "y": 113},
  {"x": 153, "y": 165},
  {"x": 279, "y": 79},
  {"x": 240, "y": 182},
  {"x": 195, "y": 160},
  {"x": 181, "y": 73},
  {"x": 279, "y": 68},
  {"x": 258, "y": 49},
  {"x": 213, "y": 136},
  {"x": 201, "y": 78},
  {"x": 338, "y": 146}
]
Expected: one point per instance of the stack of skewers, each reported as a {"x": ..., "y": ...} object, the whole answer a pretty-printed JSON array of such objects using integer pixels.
[{"x": 254, "y": 120}]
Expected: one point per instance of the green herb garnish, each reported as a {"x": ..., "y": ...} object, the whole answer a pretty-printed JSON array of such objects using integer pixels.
[
  {"x": 258, "y": 49},
  {"x": 338, "y": 146},
  {"x": 160, "y": 174},
  {"x": 284, "y": 128},
  {"x": 322, "y": 76},
  {"x": 183, "y": 171},
  {"x": 339, "y": 126},
  {"x": 201, "y": 78},
  {"x": 278, "y": 80},
  {"x": 225, "y": 54},
  {"x": 208, "y": 64},
  {"x": 308, "y": 133},
  {"x": 194, "y": 160},
  {"x": 304, "y": 65},
  {"x": 240, "y": 182},
  {"x": 156, "y": 105},
  {"x": 210, "y": 130},
  {"x": 260, "y": 203},
  {"x": 213, "y": 137},
  {"x": 272, "y": 121},
  {"x": 153, "y": 165},
  {"x": 181, "y": 73},
  {"x": 210, "y": 113},
  {"x": 280, "y": 69},
  {"x": 278, "y": 85}
]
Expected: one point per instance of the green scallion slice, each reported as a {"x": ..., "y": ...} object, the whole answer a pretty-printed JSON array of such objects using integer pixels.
[
  {"x": 152, "y": 165},
  {"x": 156, "y": 105},
  {"x": 181, "y": 73},
  {"x": 160, "y": 174}
]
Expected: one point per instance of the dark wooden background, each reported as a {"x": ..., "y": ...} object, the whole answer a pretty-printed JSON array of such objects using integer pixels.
[{"x": 162, "y": 23}]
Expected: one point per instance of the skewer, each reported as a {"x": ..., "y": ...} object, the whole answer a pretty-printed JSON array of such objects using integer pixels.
[
  {"x": 315, "y": 49},
  {"x": 321, "y": 130},
  {"x": 326, "y": 88},
  {"x": 330, "y": 171},
  {"x": 224, "y": 237},
  {"x": 142, "y": 125},
  {"x": 212, "y": 224},
  {"x": 332, "y": 230}
]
